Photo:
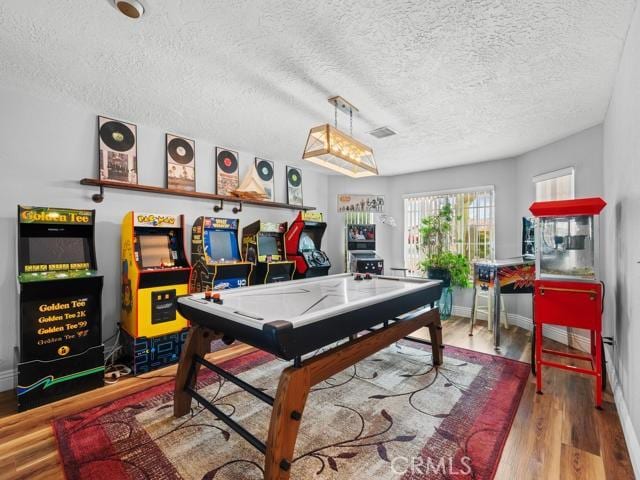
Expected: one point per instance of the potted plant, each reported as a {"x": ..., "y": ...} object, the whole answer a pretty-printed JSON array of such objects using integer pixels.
[{"x": 440, "y": 262}]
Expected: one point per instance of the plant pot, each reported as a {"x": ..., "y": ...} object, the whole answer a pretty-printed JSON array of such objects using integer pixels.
[{"x": 435, "y": 273}]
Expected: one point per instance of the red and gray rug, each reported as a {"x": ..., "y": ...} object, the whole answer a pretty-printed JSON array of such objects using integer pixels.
[{"x": 392, "y": 416}]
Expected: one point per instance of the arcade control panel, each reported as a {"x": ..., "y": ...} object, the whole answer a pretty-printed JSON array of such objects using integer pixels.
[
  {"x": 316, "y": 259},
  {"x": 366, "y": 262}
]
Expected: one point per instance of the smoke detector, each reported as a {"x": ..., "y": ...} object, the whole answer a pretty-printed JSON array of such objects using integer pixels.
[
  {"x": 131, "y": 8},
  {"x": 382, "y": 132}
]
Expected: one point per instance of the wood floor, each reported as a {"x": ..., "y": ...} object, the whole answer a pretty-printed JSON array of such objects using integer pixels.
[{"x": 558, "y": 435}]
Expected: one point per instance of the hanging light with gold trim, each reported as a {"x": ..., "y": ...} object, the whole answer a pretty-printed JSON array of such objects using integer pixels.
[{"x": 331, "y": 148}]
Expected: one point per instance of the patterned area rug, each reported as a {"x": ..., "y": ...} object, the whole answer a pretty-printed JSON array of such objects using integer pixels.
[{"x": 392, "y": 416}]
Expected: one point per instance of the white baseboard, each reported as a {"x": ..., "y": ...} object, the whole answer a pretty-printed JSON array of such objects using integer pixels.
[
  {"x": 559, "y": 334},
  {"x": 630, "y": 435},
  {"x": 7, "y": 380}
]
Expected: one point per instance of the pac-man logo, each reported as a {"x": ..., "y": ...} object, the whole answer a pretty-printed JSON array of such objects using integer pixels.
[{"x": 157, "y": 220}]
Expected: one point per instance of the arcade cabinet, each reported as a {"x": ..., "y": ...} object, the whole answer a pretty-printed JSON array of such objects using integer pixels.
[
  {"x": 60, "y": 352},
  {"x": 361, "y": 245},
  {"x": 263, "y": 246},
  {"x": 155, "y": 271},
  {"x": 215, "y": 255},
  {"x": 303, "y": 241}
]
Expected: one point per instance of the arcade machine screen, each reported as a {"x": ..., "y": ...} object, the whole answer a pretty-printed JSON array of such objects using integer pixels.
[
  {"x": 50, "y": 250},
  {"x": 267, "y": 245},
  {"x": 223, "y": 244},
  {"x": 361, "y": 237},
  {"x": 155, "y": 250},
  {"x": 310, "y": 240}
]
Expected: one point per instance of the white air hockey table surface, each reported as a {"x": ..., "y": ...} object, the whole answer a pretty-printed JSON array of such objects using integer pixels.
[{"x": 295, "y": 317}]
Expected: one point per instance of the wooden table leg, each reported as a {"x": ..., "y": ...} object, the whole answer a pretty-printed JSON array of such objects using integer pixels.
[
  {"x": 198, "y": 342},
  {"x": 295, "y": 383},
  {"x": 286, "y": 416},
  {"x": 435, "y": 333}
]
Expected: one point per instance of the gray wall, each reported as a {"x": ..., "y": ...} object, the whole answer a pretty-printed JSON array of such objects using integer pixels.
[
  {"x": 49, "y": 146},
  {"x": 512, "y": 179},
  {"x": 621, "y": 172}
]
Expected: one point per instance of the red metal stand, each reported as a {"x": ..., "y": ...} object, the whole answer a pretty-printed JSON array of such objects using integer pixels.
[{"x": 570, "y": 304}]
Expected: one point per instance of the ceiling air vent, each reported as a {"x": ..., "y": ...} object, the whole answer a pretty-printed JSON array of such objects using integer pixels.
[{"x": 382, "y": 132}]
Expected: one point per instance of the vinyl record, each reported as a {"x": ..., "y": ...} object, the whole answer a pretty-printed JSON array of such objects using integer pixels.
[
  {"x": 294, "y": 177},
  {"x": 180, "y": 151},
  {"x": 227, "y": 161},
  {"x": 265, "y": 170},
  {"x": 117, "y": 136}
]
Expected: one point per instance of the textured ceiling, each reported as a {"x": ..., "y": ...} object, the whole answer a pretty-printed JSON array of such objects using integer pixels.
[{"x": 460, "y": 80}]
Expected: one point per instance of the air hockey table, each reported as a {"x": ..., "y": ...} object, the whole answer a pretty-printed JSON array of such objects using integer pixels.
[{"x": 346, "y": 317}]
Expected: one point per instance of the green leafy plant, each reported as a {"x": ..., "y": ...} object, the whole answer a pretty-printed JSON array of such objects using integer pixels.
[
  {"x": 456, "y": 264},
  {"x": 436, "y": 232}
]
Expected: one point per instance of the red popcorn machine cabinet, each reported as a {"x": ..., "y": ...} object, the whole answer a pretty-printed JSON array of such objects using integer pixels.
[
  {"x": 568, "y": 291},
  {"x": 303, "y": 241}
]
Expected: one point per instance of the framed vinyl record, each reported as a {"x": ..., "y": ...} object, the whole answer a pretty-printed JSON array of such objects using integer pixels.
[
  {"x": 227, "y": 176},
  {"x": 181, "y": 163},
  {"x": 294, "y": 186},
  {"x": 117, "y": 150},
  {"x": 264, "y": 170}
]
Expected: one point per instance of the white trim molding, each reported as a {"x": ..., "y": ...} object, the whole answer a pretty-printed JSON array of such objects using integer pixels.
[
  {"x": 554, "y": 174},
  {"x": 8, "y": 380},
  {"x": 630, "y": 435}
]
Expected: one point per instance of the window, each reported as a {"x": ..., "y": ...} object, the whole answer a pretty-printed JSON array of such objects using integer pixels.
[
  {"x": 473, "y": 224},
  {"x": 557, "y": 185}
]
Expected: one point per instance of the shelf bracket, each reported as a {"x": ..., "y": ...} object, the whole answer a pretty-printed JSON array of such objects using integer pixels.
[
  {"x": 217, "y": 208},
  {"x": 238, "y": 209},
  {"x": 98, "y": 197}
]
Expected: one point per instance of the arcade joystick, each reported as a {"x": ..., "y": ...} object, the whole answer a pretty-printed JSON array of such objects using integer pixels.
[
  {"x": 357, "y": 277},
  {"x": 208, "y": 295}
]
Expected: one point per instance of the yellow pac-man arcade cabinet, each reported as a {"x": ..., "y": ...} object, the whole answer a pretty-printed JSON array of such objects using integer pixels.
[{"x": 155, "y": 271}]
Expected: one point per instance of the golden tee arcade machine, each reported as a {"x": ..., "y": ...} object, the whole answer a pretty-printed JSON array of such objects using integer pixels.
[
  {"x": 215, "y": 255},
  {"x": 263, "y": 246},
  {"x": 303, "y": 241},
  {"x": 60, "y": 352},
  {"x": 155, "y": 271}
]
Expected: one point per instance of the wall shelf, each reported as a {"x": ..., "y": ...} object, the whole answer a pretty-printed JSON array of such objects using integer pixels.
[{"x": 102, "y": 184}]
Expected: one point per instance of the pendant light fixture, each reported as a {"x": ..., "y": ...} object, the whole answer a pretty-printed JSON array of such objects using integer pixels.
[{"x": 331, "y": 148}]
